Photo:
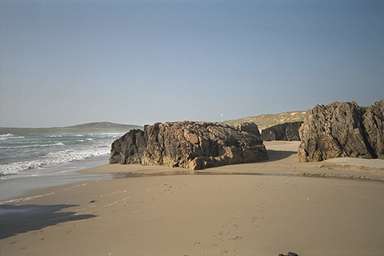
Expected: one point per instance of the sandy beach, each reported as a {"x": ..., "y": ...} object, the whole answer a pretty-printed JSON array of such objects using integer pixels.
[
  {"x": 327, "y": 208},
  {"x": 191, "y": 128}
]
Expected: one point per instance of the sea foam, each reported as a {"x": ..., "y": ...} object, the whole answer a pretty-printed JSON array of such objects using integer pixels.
[
  {"x": 7, "y": 136},
  {"x": 52, "y": 159},
  {"x": 34, "y": 145}
]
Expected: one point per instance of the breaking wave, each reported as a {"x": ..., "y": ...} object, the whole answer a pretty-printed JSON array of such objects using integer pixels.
[
  {"x": 52, "y": 159},
  {"x": 7, "y": 136},
  {"x": 34, "y": 145},
  {"x": 55, "y": 136}
]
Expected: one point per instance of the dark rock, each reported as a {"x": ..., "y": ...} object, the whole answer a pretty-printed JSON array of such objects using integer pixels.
[
  {"x": 193, "y": 145},
  {"x": 128, "y": 148},
  {"x": 285, "y": 131},
  {"x": 289, "y": 254},
  {"x": 342, "y": 129}
]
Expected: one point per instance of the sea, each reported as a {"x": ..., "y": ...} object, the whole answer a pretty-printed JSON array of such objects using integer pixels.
[{"x": 29, "y": 161}]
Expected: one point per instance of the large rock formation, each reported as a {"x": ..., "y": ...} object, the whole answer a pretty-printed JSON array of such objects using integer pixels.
[
  {"x": 342, "y": 130},
  {"x": 193, "y": 145},
  {"x": 373, "y": 121},
  {"x": 285, "y": 131}
]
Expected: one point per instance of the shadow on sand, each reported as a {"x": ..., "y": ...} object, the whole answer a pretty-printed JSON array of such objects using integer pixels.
[
  {"x": 275, "y": 155},
  {"x": 16, "y": 219}
]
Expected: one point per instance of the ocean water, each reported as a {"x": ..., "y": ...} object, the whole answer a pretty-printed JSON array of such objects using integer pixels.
[{"x": 39, "y": 154}]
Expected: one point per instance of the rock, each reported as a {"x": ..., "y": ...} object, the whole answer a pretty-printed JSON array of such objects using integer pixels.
[
  {"x": 285, "y": 131},
  {"x": 289, "y": 254},
  {"x": 342, "y": 129},
  {"x": 335, "y": 130},
  {"x": 128, "y": 148},
  {"x": 373, "y": 120},
  {"x": 193, "y": 145}
]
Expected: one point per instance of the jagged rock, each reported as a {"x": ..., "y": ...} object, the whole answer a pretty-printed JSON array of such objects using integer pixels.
[
  {"x": 193, "y": 145},
  {"x": 373, "y": 120},
  {"x": 285, "y": 131},
  {"x": 128, "y": 148},
  {"x": 342, "y": 129}
]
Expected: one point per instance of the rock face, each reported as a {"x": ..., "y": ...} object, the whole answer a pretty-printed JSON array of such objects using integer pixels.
[
  {"x": 285, "y": 131},
  {"x": 342, "y": 129},
  {"x": 193, "y": 145},
  {"x": 373, "y": 121}
]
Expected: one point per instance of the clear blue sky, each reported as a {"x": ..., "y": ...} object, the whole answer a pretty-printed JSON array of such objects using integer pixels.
[{"x": 66, "y": 62}]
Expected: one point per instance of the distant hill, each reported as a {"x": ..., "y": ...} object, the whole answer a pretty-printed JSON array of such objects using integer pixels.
[
  {"x": 95, "y": 127},
  {"x": 102, "y": 125},
  {"x": 268, "y": 120}
]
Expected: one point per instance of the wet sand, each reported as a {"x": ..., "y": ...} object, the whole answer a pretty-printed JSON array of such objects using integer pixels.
[
  {"x": 267, "y": 209},
  {"x": 19, "y": 185}
]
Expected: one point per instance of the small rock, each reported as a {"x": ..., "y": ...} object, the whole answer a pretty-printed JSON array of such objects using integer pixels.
[{"x": 289, "y": 254}]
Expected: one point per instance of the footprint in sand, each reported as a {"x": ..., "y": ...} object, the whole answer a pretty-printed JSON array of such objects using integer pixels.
[
  {"x": 230, "y": 231},
  {"x": 167, "y": 187},
  {"x": 197, "y": 244},
  {"x": 236, "y": 238}
]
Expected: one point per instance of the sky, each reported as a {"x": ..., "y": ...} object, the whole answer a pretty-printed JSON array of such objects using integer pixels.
[{"x": 143, "y": 61}]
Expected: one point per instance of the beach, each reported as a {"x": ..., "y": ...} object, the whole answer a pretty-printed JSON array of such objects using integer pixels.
[
  {"x": 191, "y": 128},
  {"x": 280, "y": 205}
]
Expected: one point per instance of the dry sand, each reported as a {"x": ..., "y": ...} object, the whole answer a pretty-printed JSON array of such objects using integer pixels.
[
  {"x": 245, "y": 214},
  {"x": 282, "y": 162}
]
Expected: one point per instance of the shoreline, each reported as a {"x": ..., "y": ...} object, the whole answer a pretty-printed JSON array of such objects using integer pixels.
[
  {"x": 283, "y": 156},
  {"x": 24, "y": 185}
]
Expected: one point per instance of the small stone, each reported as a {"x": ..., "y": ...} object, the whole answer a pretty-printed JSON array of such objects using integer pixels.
[{"x": 289, "y": 254}]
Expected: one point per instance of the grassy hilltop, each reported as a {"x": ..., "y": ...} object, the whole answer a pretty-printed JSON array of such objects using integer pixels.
[{"x": 268, "y": 120}]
